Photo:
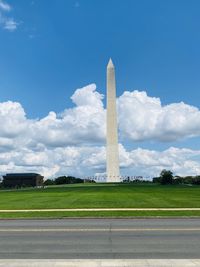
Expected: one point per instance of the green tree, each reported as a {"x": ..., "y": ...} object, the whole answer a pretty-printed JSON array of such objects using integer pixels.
[
  {"x": 196, "y": 180},
  {"x": 166, "y": 177},
  {"x": 62, "y": 180},
  {"x": 49, "y": 182},
  {"x": 68, "y": 180}
]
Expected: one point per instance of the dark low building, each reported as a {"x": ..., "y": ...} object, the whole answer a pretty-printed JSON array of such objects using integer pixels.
[{"x": 22, "y": 180}]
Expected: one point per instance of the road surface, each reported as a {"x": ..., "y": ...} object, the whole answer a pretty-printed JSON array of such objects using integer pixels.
[{"x": 100, "y": 239}]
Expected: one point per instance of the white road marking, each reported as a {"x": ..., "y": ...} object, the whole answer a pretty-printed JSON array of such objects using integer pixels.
[
  {"x": 104, "y": 209},
  {"x": 97, "y": 229}
]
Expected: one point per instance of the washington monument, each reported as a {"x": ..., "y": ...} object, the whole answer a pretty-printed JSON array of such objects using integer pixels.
[{"x": 112, "y": 152}]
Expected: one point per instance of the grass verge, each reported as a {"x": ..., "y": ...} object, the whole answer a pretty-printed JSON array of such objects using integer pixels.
[{"x": 99, "y": 214}]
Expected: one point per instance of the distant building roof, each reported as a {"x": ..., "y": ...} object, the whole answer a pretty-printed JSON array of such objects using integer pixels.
[{"x": 22, "y": 174}]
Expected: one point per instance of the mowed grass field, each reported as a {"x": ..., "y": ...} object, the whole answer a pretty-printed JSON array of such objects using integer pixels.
[{"x": 102, "y": 196}]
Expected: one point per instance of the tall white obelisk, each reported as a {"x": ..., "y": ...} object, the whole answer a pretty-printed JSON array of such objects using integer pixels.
[{"x": 112, "y": 151}]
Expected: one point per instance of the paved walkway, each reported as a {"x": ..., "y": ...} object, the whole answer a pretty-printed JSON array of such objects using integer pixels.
[
  {"x": 105, "y": 209},
  {"x": 101, "y": 263}
]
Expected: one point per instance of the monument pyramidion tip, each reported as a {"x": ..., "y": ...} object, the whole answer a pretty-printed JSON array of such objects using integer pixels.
[{"x": 110, "y": 64}]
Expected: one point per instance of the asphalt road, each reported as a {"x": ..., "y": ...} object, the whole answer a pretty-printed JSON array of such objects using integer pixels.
[{"x": 100, "y": 239}]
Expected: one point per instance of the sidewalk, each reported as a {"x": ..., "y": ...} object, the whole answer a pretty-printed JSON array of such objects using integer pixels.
[{"x": 102, "y": 263}]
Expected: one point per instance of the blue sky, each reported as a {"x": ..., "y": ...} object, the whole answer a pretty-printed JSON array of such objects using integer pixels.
[
  {"x": 56, "y": 47},
  {"x": 62, "y": 45}
]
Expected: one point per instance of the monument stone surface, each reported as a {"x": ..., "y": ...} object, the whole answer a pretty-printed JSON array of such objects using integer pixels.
[{"x": 112, "y": 150}]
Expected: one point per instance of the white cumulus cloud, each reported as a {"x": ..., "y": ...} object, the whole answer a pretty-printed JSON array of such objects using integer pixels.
[
  {"x": 140, "y": 161},
  {"x": 73, "y": 142},
  {"x": 144, "y": 118},
  {"x": 85, "y": 123}
]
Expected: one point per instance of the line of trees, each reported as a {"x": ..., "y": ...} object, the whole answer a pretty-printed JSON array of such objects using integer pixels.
[
  {"x": 166, "y": 177},
  {"x": 63, "y": 180}
]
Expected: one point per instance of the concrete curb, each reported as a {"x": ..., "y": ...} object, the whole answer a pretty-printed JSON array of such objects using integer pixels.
[{"x": 102, "y": 263}]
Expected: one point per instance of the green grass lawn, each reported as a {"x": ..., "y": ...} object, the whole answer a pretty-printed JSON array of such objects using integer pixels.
[{"x": 102, "y": 196}]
